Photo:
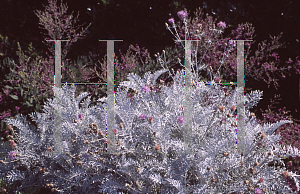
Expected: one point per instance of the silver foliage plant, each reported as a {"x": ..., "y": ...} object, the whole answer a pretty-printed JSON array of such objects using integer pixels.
[{"x": 149, "y": 138}]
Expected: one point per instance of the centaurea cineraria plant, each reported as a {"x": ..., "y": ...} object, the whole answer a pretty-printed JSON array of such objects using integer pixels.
[{"x": 149, "y": 156}]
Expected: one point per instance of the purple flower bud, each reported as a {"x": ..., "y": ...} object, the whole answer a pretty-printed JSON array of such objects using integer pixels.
[
  {"x": 142, "y": 116},
  {"x": 222, "y": 24},
  {"x": 80, "y": 116},
  {"x": 218, "y": 79},
  {"x": 258, "y": 191},
  {"x": 146, "y": 88},
  {"x": 180, "y": 120},
  {"x": 171, "y": 20},
  {"x": 182, "y": 14},
  {"x": 231, "y": 42},
  {"x": 12, "y": 155}
]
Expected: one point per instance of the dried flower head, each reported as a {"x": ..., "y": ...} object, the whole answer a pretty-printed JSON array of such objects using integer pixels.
[
  {"x": 79, "y": 162},
  {"x": 115, "y": 131},
  {"x": 263, "y": 135},
  {"x": 150, "y": 119},
  {"x": 101, "y": 159},
  {"x": 222, "y": 108},
  {"x": 256, "y": 164},
  {"x": 101, "y": 134},
  {"x": 226, "y": 154},
  {"x": 74, "y": 121},
  {"x": 74, "y": 141},
  {"x": 50, "y": 149},
  {"x": 90, "y": 152},
  {"x": 208, "y": 168},
  {"x": 121, "y": 125},
  {"x": 77, "y": 157},
  {"x": 261, "y": 180},
  {"x": 259, "y": 144},
  {"x": 53, "y": 190},
  {"x": 157, "y": 147},
  {"x": 233, "y": 108},
  {"x": 246, "y": 182},
  {"x": 234, "y": 124},
  {"x": 138, "y": 170},
  {"x": 85, "y": 141},
  {"x": 126, "y": 185}
]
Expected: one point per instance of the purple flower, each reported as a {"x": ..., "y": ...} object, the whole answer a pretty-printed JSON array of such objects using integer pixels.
[
  {"x": 146, "y": 88},
  {"x": 171, "y": 20},
  {"x": 180, "y": 119},
  {"x": 80, "y": 116},
  {"x": 12, "y": 143},
  {"x": 231, "y": 42},
  {"x": 142, "y": 116},
  {"x": 222, "y": 24},
  {"x": 182, "y": 14},
  {"x": 258, "y": 191},
  {"x": 12, "y": 155},
  {"x": 218, "y": 79}
]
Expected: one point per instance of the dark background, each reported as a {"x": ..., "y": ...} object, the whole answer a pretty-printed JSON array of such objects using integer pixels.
[{"x": 135, "y": 23}]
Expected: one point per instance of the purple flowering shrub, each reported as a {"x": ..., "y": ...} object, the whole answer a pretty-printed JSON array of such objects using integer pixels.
[
  {"x": 58, "y": 25},
  {"x": 264, "y": 66},
  {"x": 29, "y": 82}
]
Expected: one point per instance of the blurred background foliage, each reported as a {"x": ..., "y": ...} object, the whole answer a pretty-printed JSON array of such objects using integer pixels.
[{"x": 142, "y": 22}]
